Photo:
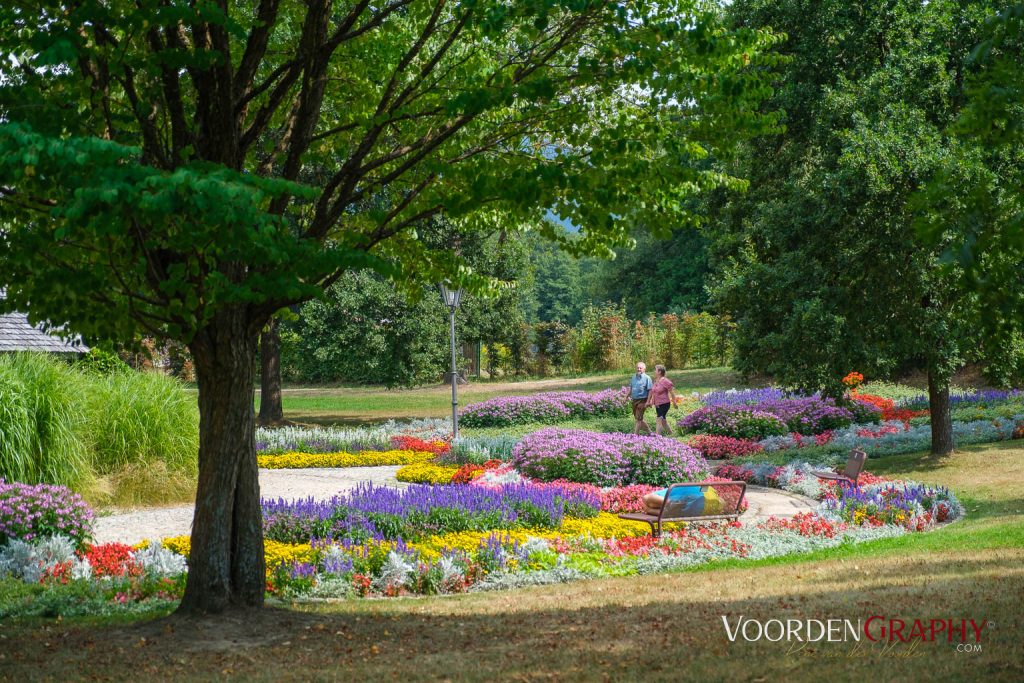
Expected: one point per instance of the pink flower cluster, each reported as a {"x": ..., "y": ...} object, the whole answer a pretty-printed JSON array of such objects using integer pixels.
[
  {"x": 615, "y": 499},
  {"x": 714, "y": 447}
]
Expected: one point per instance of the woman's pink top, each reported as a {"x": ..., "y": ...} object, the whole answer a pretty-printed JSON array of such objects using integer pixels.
[{"x": 659, "y": 392}]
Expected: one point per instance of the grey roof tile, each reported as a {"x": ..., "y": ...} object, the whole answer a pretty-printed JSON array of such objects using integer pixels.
[{"x": 17, "y": 334}]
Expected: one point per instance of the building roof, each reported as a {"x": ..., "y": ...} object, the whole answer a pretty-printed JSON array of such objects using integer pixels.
[{"x": 17, "y": 334}]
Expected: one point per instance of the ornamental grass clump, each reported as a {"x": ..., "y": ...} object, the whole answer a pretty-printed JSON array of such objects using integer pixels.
[
  {"x": 606, "y": 459},
  {"x": 548, "y": 407}
]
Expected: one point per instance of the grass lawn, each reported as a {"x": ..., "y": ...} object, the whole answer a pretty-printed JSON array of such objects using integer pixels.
[
  {"x": 660, "y": 627},
  {"x": 359, "y": 405}
]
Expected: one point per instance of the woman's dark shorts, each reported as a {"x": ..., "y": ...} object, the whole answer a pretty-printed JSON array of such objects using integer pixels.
[{"x": 662, "y": 410}]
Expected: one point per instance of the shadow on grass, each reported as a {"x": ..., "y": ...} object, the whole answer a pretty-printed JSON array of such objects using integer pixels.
[{"x": 666, "y": 627}]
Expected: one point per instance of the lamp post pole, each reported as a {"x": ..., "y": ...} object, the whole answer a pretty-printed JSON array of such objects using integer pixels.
[
  {"x": 451, "y": 298},
  {"x": 455, "y": 394}
]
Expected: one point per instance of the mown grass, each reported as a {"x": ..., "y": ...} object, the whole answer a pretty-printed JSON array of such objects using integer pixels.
[
  {"x": 661, "y": 627},
  {"x": 360, "y": 405}
]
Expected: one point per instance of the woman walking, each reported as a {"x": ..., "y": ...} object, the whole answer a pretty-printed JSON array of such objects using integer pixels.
[{"x": 662, "y": 397}]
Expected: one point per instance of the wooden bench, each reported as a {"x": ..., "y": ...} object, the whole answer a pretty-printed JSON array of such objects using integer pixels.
[
  {"x": 851, "y": 475},
  {"x": 674, "y": 510}
]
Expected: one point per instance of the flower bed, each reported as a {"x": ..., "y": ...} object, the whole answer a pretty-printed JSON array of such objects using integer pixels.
[
  {"x": 875, "y": 502},
  {"x": 384, "y": 513},
  {"x": 32, "y": 511},
  {"x": 333, "y": 440},
  {"x": 606, "y": 459},
  {"x": 426, "y": 473},
  {"x": 895, "y": 437},
  {"x": 363, "y": 459},
  {"x": 548, "y": 407},
  {"x": 715, "y": 447},
  {"x": 109, "y": 573},
  {"x": 806, "y": 415}
]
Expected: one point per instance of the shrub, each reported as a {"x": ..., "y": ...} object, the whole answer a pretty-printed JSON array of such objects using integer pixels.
[
  {"x": 740, "y": 423},
  {"x": 102, "y": 362},
  {"x": 715, "y": 447},
  {"x": 606, "y": 459},
  {"x": 30, "y": 512}
]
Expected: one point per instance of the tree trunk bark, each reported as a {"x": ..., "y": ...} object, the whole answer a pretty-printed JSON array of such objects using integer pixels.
[
  {"x": 942, "y": 420},
  {"x": 271, "y": 408},
  {"x": 226, "y": 562}
]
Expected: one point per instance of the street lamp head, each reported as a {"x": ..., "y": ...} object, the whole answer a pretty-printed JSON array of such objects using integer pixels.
[{"x": 451, "y": 297}]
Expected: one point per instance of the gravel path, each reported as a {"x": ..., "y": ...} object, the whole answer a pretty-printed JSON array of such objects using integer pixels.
[
  {"x": 316, "y": 482},
  {"x": 137, "y": 525}
]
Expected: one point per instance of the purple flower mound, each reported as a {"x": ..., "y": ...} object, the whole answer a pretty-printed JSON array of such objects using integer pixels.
[
  {"x": 606, "y": 459},
  {"x": 737, "y": 421},
  {"x": 745, "y": 397},
  {"x": 554, "y": 406},
  {"x": 32, "y": 511},
  {"x": 804, "y": 415}
]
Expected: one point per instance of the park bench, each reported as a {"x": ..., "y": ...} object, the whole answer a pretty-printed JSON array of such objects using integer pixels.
[
  {"x": 850, "y": 475},
  {"x": 729, "y": 495}
]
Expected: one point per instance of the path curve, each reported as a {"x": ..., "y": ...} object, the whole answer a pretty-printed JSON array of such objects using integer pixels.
[
  {"x": 132, "y": 526},
  {"x": 323, "y": 482}
]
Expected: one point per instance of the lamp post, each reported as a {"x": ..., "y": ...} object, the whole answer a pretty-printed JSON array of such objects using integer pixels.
[{"x": 451, "y": 298}]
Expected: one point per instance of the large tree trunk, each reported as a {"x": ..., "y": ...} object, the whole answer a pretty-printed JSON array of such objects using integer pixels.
[
  {"x": 271, "y": 408},
  {"x": 226, "y": 563},
  {"x": 942, "y": 420}
]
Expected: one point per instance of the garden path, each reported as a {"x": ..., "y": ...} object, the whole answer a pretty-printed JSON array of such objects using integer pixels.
[
  {"x": 137, "y": 525},
  {"x": 132, "y": 526}
]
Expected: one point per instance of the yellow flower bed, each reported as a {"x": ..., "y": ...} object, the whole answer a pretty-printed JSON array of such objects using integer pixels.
[
  {"x": 426, "y": 473},
  {"x": 275, "y": 553},
  {"x": 364, "y": 459},
  {"x": 605, "y": 525}
]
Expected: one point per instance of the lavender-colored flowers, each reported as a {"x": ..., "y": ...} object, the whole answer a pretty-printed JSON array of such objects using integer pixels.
[
  {"x": 548, "y": 407},
  {"x": 384, "y": 513},
  {"x": 746, "y": 397},
  {"x": 29, "y": 512},
  {"x": 606, "y": 459},
  {"x": 964, "y": 398},
  {"x": 804, "y": 415}
]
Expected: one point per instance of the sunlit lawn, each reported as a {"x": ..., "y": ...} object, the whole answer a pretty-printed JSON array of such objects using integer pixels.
[
  {"x": 358, "y": 405},
  {"x": 661, "y": 627}
]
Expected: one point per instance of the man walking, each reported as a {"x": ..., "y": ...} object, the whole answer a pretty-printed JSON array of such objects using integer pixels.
[{"x": 639, "y": 388}]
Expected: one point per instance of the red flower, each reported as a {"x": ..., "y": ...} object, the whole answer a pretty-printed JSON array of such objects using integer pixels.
[
  {"x": 112, "y": 559},
  {"x": 412, "y": 443}
]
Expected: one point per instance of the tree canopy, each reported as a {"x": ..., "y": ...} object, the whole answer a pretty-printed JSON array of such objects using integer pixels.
[
  {"x": 188, "y": 168},
  {"x": 821, "y": 265}
]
